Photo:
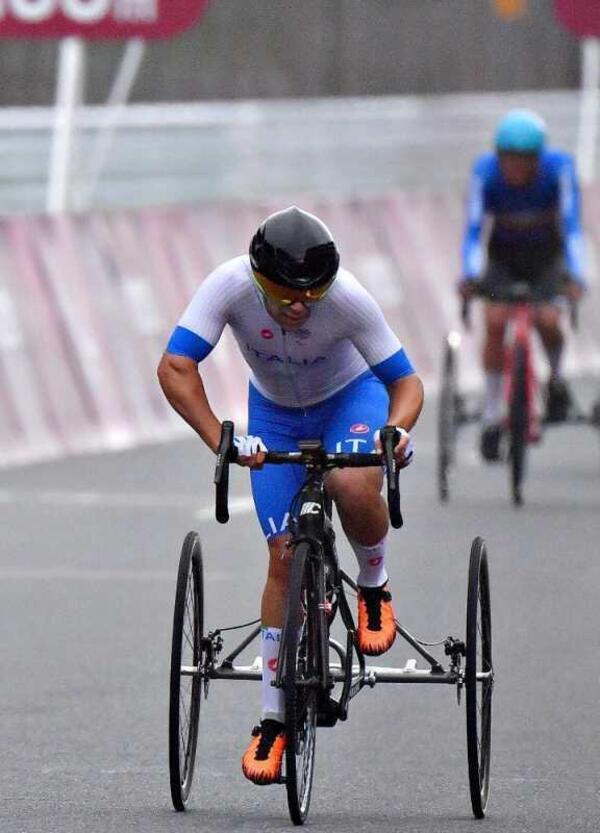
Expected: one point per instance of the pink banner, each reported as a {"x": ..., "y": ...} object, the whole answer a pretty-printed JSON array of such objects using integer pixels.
[
  {"x": 98, "y": 19},
  {"x": 582, "y": 17}
]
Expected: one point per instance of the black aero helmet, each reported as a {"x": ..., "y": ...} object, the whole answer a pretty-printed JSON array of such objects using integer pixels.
[{"x": 293, "y": 248}]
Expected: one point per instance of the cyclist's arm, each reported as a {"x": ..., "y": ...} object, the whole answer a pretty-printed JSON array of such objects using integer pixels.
[
  {"x": 182, "y": 385},
  {"x": 406, "y": 401},
  {"x": 380, "y": 347},
  {"x": 472, "y": 248},
  {"x": 570, "y": 209},
  {"x": 194, "y": 337}
]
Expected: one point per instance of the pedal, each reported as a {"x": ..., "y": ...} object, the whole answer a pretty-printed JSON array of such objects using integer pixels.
[
  {"x": 326, "y": 720},
  {"x": 329, "y": 713}
]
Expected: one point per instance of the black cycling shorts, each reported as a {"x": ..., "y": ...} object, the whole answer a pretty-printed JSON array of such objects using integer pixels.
[{"x": 545, "y": 279}]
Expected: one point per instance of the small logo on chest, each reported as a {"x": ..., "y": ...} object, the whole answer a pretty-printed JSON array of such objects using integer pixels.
[{"x": 301, "y": 335}]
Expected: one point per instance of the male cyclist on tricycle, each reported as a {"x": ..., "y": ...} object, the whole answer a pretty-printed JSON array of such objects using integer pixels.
[
  {"x": 531, "y": 196},
  {"x": 325, "y": 364}
]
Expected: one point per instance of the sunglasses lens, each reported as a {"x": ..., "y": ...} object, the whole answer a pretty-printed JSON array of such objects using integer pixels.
[{"x": 285, "y": 296}]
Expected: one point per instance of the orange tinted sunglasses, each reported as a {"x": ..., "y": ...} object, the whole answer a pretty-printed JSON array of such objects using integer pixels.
[{"x": 285, "y": 296}]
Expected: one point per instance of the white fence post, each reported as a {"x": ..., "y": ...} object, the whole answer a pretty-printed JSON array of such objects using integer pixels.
[
  {"x": 588, "y": 108},
  {"x": 113, "y": 110},
  {"x": 69, "y": 95}
]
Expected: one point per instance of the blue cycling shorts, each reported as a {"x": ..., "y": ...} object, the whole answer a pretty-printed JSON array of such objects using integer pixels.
[{"x": 346, "y": 422}]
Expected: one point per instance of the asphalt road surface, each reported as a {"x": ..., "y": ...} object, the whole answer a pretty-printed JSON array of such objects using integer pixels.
[{"x": 87, "y": 576}]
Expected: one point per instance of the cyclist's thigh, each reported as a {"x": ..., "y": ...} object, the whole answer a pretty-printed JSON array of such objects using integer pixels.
[
  {"x": 355, "y": 414},
  {"x": 496, "y": 318},
  {"x": 497, "y": 277},
  {"x": 274, "y": 487},
  {"x": 358, "y": 411},
  {"x": 547, "y": 314},
  {"x": 547, "y": 283}
]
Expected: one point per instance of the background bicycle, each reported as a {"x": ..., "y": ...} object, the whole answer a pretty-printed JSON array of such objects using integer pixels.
[{"x": 524, "y": 412}]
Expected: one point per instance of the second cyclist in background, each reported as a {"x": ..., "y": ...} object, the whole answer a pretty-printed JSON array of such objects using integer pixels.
[{"x": 529, "y": 195}]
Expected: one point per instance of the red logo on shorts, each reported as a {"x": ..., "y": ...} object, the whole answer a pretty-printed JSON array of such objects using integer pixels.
[
  {"x": 359, "y": 428},
  {"x": 267, "y": 333},
  {"x": 272, "y": 664},
  {"x": 375, "y": 562}
]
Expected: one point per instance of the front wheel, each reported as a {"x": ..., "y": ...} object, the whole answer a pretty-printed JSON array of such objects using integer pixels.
[
  {"x": 479, "y": 678},
  {"x": 300, "y": 699},
  {"x": 185, "y": 682}
]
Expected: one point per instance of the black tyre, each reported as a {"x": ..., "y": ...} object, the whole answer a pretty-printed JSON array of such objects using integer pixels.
[
  {"x": 301, "y": 640},
  {"x": 185, "y": 686},
  {"x": 448, "y": 418},
  {"x": 518, "y": 423},
  {"x": 479, "y": 678}
]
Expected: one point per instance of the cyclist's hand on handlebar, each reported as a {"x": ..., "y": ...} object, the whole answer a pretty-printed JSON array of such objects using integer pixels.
[
  {"x": 574, "y": 289},
  {"x": 465, "y": 287},
  {"x": 403, "y": 452},
  {"x": 251, "y": 451}
]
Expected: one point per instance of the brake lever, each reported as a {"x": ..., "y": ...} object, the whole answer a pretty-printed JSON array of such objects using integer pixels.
[
  {"x": 574, "y": 311},
  {"x": 390, "y": 437},
  {"x": 226, "y": 454},
  {"x": 465, "y": 313}
]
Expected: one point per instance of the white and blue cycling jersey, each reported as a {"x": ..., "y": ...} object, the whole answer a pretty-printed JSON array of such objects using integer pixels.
[
  {"x": 324, "y": 381},
  {"x": 544, "y": 213},
  {"x": 345, "y": 335}
]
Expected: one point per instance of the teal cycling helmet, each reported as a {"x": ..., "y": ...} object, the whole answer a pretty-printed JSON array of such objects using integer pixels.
[{"x": 521, "y": 131}]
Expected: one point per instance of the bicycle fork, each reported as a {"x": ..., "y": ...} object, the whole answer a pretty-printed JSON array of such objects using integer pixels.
[{"x": 522, "y": 322}]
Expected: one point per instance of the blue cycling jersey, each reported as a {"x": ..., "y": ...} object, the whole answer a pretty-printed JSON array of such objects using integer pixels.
[{"x": 532, "y": 216}]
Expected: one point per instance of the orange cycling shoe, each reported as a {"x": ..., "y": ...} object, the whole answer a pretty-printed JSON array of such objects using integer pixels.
[
  {"x": 261, "y": 762},
  {"x": 376, "y": 626}
]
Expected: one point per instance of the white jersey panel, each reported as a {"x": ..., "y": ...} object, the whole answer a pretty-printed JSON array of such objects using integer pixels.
[{"x": 345, "y": 334}]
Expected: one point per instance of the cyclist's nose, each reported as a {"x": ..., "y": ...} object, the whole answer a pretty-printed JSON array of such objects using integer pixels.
[{"x": 298, "y": 307}]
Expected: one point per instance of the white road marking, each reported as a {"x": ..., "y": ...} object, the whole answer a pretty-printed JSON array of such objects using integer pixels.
[
  {"x": 237, "y": 506},
  {"x": 109, "y": 575},
  {"x": 123, "y": 500}
]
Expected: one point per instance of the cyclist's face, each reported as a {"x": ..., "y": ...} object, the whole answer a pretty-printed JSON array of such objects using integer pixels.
[
  {"x": 291, "y": 316},
  {"x": 289, "y": 307},
  {"x": 518, "y": 169}
]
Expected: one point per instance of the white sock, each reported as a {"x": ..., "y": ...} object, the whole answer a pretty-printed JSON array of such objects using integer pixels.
[
  {"x": 272, "y": 699},
  {"x": 371, "y": 562},
  {"x": 492, "y": 409}
]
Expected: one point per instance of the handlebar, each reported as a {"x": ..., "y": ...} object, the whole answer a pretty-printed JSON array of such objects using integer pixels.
[{"x": 313, "y": 455}]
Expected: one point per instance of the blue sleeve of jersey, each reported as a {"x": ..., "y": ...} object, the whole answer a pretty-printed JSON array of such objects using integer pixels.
[
  {"x": 184, "y": 342},
  {"x": 395, "y": 367},
  {"x": 472, "y": 250},
  {"x": 570, "y": 209}
]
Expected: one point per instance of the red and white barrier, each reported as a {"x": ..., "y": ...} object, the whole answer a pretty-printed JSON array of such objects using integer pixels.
[{"x": 87, "y": 304}]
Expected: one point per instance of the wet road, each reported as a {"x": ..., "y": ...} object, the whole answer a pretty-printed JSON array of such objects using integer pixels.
[{"x": 87, "y": 573}]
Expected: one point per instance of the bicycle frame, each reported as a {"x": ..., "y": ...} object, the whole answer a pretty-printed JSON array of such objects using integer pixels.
[
  {"x": 312, "y": 525},
  {"x": 521, "y": 320}
]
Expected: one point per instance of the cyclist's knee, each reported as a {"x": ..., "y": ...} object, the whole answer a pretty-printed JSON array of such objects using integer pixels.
[
  {"x": 354, "y": 487},
  {"x": 547, "y": 318},
  {"x": 496, "y": 319},
  {"x": 279, "y": 559}
]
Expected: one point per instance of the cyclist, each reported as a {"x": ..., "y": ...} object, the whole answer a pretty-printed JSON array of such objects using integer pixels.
[
  {"x": 530, "y": 194},
  {"x": 324, "y": 364}
]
